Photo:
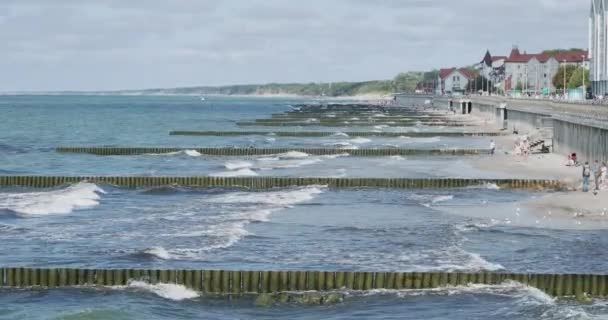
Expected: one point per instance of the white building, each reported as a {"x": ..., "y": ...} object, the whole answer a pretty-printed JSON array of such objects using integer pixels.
[
  {"x": 454, "y": 81},
  {"x": 598, "y": 46}
]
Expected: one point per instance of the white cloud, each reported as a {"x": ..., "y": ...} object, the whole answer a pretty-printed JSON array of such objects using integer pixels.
[{"x": 112, "y": 44}]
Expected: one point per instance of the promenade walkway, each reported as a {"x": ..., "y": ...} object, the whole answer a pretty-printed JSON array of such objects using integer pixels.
[{"x": 591, "y": 115}]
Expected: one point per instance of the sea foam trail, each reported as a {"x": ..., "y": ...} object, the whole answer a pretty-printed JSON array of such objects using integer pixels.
[
  {"x": 190, "y": 153},
  {"x": 236, "y": 165},
  {"x": 360, "y": 140},
  {"x": 168, "y": 291},
  {"x": 276, "y": 198},
  {"x": 524, "y": 295},
  {"x": 81, "y": 195},
  {"x": 241, "y": 209}
]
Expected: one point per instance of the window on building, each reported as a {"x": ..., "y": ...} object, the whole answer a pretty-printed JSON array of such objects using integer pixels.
[{"x": 545, "y": 75}]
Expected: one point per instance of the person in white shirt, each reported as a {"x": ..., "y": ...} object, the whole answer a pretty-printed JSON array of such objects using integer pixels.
[{"x": 492, "y": 147}]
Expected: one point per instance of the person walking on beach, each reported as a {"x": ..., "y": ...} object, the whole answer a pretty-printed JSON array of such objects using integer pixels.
[
  {"x": 586, "y": 175},
  {"x": 492, "y": 147}
]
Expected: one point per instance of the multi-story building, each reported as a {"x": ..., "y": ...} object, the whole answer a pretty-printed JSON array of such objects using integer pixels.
[
  {"x": 533, "y": 73},
  {"x": 598, "y": 46},
  {"x": 492, "y": 68},
  {"x": 454, "y": 80}
]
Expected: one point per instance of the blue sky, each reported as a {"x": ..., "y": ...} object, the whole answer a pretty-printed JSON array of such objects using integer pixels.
[{"x": 131, "y": 44}]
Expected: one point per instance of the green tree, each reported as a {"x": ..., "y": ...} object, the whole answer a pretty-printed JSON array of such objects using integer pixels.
[
  {"x": 558, "y": 79},
  {"x": 406, "y": 82},
  {"x": 576, "y": 80},
  {"x": 519, "y": 86}
]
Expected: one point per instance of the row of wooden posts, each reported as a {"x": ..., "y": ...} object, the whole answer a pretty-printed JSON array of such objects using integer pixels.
[
  {"x": 125, "y": 151},
  {"x": 319, "y": 134},
  {"x": 279, "y": 182},
  {"x": 348, "y": 123},
  {"x": 240, "y": 282}
]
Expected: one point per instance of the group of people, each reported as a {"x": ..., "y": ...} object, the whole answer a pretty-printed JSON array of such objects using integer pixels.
[
  {"x": 598, "y": 172},
  {"x": 522, "y": 147}
]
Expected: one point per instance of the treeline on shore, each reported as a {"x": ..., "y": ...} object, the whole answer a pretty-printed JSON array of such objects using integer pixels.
[{"x": 404, "y": 82}]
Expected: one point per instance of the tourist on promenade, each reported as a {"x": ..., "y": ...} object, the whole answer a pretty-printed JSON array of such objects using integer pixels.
[
  {"x": 604, "y": 177},
  {"x": 586, "y": 176},
  {"x": 595, "y": 170},
  {"x": 492, "y": 147}
]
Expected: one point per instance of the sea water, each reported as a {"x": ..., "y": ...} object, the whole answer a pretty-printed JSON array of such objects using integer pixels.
[{"x": 86, "y": 225}]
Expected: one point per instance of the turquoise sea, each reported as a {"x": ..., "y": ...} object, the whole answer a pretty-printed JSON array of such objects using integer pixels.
[{"x": 307, "y": 228}]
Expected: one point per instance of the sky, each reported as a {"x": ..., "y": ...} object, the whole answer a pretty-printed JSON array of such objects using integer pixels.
[{"x": 52, "y": 45}]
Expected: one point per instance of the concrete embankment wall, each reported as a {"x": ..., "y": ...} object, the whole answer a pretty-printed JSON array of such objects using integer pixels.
[
  {"x": 260, "y": 282},
  {"x": 517, "y": 120},
  {"x": 589, "y": 142}
]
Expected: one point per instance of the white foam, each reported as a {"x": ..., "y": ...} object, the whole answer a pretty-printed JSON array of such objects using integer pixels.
[
  {"x": 278, "y": 198},
  {"x": 285, "y": 164},
  {"x": 340, "y": 134},
  {"x": 293, "y": 155},
  {"x": 383, "y": 126},
  {"x": 271, "y": 139},
  {"x": 226, "y": 230},
  {"x": 339, "y": 144},
  {"x": 428, "y": 199},
  {"x": 158, "y": 252},
  {"x": 236, "y": 165},
  {"x": 478, "y": 263},
  {"x": 192, "y": 153},
  {"x": 245, "y": 172},
  {"x": 82, "y": 195},
  {"x": 311, "y": 120},
  {"x": 334, "y": 156},
  {"x": 439, "y": 199},
  {"x": 399, "y": 158},
  {"x": 489, "y": 186},
  {"x": 421, "y": 140},
  {"x": 173, "y": 292},
  {"x": 492, "y": 186},
  {"x": 360, "y": 140},
  {"x": 354, "y": 119}
]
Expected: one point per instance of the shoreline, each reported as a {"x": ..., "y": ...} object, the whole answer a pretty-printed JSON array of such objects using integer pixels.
[{"x": 571, "y": 209}]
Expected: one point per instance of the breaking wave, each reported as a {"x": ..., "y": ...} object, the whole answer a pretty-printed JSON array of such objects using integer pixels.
[
  {"x": 430, "y": 199},
  {"x": 221, "y": 231},
  {"x": 276, "y": 198},
  {"x": 189, "y": 153},
  {"x": 236, "y": 165},
  {"x": 245, "y": 172},
  {"x": 81, "y": 195},
  {"x": 156, "y": 252},
  {"x": 360, "y": 140},
  {"x": 173, "y": 292}
]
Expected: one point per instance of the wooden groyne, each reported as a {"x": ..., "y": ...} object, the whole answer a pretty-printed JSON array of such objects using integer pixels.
[
  {"x": 278, "y": 182},
  {"x": 349, "y": 124},
  {"x": 128, "y": 151},
  {"x": 319, "y": 134},
  {"x": 227, "y": 282}
]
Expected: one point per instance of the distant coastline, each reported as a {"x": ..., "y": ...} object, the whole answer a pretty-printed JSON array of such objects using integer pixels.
[{"x": 405, "y": 82}]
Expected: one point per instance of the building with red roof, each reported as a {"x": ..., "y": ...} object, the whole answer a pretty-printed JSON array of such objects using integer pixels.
[
  {"x": 454, "y": 80},
  {"x": 534, "y": 72}
]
